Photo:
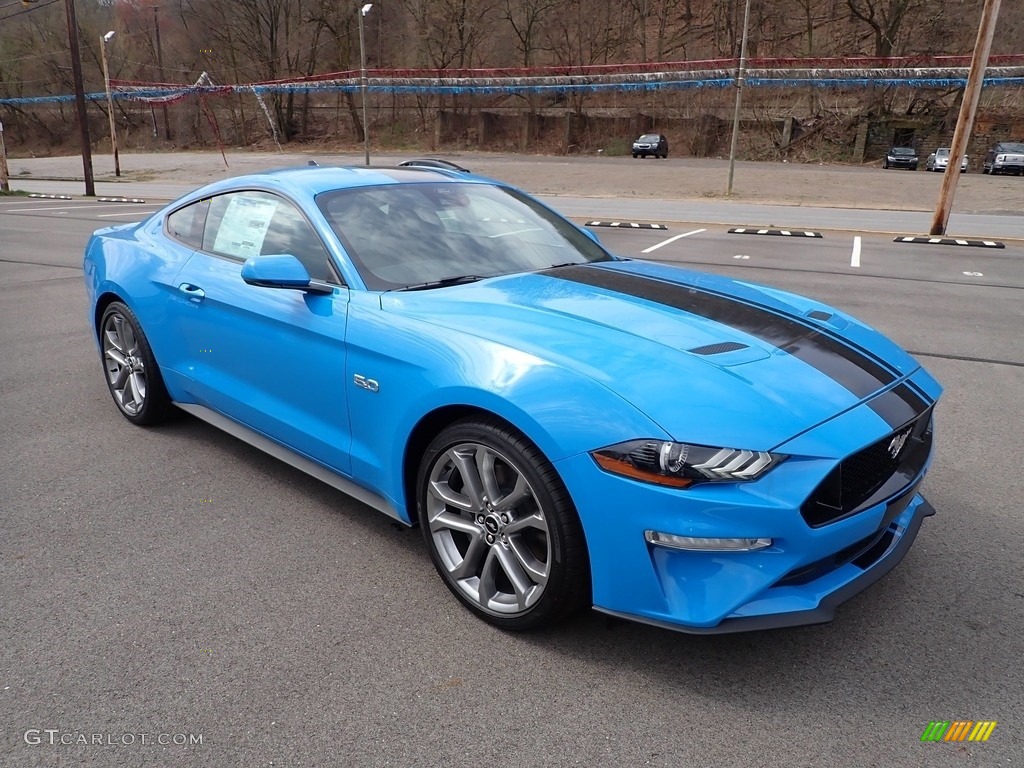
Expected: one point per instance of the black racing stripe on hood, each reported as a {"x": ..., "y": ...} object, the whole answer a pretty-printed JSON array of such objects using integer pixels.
[
  {"x": 899, "y": 406},
  {"x": 849, "y": 367}
]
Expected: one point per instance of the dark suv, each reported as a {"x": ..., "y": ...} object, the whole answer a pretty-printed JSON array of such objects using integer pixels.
[
  {"x": 651, "y": 144},
  {"x": 1004, "y": 157},
  {"x": 901, "y": 157}
]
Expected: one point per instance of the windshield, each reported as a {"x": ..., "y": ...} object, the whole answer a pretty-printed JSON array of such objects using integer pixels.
[
  {"x": 400, "y": 235},
  {"x": 902, "y": 151},
  {"x": 1011, "y": 147},
  {"x": 941, "y": 152},
  {"x": 649, "y": 137}
]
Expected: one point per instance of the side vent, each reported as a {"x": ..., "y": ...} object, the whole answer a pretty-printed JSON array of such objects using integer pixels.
[
  {"x": 820, "y": 315},
  {"x": 718, "y": 349}
]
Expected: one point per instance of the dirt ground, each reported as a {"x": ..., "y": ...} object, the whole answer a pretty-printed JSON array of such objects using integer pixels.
[{"x": 678, "y": 178}]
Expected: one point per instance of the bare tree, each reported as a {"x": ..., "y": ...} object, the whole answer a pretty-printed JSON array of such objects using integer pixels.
[{"x": 885, "y": 19}]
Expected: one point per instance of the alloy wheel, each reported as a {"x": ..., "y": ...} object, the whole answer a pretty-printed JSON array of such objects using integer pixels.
[
  {"x": 488, "y": 528},
  {"x": 123, "y": 361}
]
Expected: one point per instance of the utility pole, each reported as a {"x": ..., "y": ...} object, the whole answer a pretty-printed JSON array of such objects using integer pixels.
[
  {"x": 160, "y": 68},
  {"x": 968, "y": 109},
  {"x": 5, "y": 184},
  {"x": 83, "y": 117},
  {"x": 739, "y": 97},
  {"x": 110, "y": 100}
]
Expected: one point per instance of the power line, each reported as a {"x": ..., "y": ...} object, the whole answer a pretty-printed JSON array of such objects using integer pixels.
[
  {"x": 30, "y": 56},
  {"x": 27, "y": 10}
]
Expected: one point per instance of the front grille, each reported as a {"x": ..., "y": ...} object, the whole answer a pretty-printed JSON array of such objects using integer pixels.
[
  {"x": 871, "y": 475},
  {"x": 808, "y": 573}
]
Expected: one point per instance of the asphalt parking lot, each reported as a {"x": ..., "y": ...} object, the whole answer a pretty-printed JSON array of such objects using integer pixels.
[{"x": 176, "y": 582}]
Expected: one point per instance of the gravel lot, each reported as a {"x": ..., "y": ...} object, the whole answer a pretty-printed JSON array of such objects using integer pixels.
[{"x": 678, "y": 178}]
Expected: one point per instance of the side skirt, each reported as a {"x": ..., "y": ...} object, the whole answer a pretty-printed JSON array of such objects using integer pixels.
[{"x": 300, "y": 462}]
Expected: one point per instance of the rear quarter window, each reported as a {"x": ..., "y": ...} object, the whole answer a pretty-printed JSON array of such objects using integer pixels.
[{"x": 186, "y": 224}]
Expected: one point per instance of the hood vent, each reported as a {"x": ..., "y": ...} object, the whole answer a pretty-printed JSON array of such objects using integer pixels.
[{"x": 718, "y": 349}]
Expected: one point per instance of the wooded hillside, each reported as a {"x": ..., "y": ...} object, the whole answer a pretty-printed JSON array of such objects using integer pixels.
[{"x": 245, "y": 41}]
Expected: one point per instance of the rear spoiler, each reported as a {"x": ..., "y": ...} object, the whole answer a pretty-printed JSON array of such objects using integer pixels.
[{"x": 430, "y": 162}]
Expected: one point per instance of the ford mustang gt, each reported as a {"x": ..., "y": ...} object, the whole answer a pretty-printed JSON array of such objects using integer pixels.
[{"x": 568, "y": 428}]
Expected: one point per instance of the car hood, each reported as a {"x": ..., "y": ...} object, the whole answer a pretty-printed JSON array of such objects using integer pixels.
[{"x": 710, "y": 360}]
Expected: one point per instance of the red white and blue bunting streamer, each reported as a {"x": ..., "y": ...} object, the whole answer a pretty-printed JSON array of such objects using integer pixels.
[{"x": 850, "y": 73}]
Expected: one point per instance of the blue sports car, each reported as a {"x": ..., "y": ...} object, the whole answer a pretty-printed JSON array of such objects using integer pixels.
[{"x": 567, "y": 427}]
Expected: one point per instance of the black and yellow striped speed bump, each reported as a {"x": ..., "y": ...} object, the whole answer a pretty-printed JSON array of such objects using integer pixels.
[
  {"x": 119, "y": 200},
  {"x": 51, "y": 197}
]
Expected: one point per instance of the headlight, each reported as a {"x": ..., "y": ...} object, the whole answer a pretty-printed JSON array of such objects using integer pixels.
[{"x": 679, "y": 465}]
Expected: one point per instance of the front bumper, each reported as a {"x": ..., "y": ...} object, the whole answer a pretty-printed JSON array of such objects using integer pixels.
[
  {"x": 1008, "y": 167},
  {"x": 778, "y": 608},
  {"x": 809, "y": 568}
]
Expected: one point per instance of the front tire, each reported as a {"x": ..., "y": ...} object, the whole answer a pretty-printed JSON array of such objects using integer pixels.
[
  {"x": 500, "y": 527},
  {"x": 132, "y": 375}
]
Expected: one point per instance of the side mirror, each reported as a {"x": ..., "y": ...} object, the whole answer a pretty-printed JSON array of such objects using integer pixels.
[
  {"x": 283, "y": 271},
  {"x": 591, "y": 234}
]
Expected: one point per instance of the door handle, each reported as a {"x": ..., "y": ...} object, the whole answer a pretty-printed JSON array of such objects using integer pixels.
[{"x": 194, "y": 292}]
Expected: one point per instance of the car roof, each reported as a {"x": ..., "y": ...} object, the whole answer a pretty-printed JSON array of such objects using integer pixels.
[{"x": 312, "y": 180}]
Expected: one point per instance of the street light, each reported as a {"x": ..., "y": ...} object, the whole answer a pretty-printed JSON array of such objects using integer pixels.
[
  {"x": 362, "y": 79},
  {"x": 104, "y": 39}
]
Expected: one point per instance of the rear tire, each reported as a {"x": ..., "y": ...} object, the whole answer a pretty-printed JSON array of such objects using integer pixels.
[
  {"x": 500, "y": 527},
  {"x": 132, "y": 375}
]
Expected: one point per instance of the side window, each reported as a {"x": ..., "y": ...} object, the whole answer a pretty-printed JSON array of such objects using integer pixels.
[
  {"x": 186, "y": 224},
  {"x": 246, "y": 224}
]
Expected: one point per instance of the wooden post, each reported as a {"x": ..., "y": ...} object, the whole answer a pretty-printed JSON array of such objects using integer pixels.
[
  {"x": 83, "y": 117},
  {"x": 5, "y": 184},
  {"x": 740, "y": 76},
  {"x": 968, "y": 109}
]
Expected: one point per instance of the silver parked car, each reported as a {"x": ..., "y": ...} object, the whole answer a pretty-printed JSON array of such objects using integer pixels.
[{"x": 939, "y": 159}]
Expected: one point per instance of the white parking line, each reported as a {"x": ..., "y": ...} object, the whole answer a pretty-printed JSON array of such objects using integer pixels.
[
  {"x": 855, "y": 257},
  {"x": 656, "y": 246}
]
